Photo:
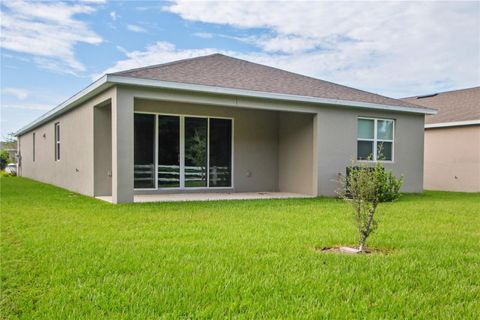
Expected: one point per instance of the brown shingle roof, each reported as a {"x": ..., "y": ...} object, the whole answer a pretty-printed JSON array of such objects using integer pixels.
[
  {"x": 224, "y": 71},
  {"x": 458, "y": 105}
]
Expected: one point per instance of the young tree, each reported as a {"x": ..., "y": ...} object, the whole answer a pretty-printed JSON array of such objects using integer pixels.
[{"x": 364, "y": 187}]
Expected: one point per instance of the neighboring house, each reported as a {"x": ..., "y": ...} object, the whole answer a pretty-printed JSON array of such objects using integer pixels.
[
  {"x": 11, "y": 148},
  {"x": 452, "y": 140},
  {"x": 218, "y": 124}
]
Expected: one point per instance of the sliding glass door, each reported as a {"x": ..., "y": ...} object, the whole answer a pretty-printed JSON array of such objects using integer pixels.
[
  {"x": 182, "y": 152},
  {"x": 168, "y": 151},
  {"x": 220, "y": 153},
  {"x": 196, "y": 152},
  {"x": 144, "y": 151}
]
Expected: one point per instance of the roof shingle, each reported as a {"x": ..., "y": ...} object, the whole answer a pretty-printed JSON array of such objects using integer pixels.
[
  {"x": 458, "y": 105},
  {"x": 223, "y": 71}
]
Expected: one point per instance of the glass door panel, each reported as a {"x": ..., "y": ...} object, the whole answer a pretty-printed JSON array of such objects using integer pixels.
[
  {"x": 168, "y": 152},
  {"x": 195, "y": 152},
  {"x": 220, "y": 151},
  {"x": 144, "y": 145}
]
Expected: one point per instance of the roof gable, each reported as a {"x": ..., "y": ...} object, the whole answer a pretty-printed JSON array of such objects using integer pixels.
[
  {"x": 220, "y": 74},
  {"x": 223, "y": 71}
]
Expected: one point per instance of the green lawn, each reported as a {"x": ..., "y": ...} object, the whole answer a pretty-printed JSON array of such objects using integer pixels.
[{"x": 68, "y": 256}]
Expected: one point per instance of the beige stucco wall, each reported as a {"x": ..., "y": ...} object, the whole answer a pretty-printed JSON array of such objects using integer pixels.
[
  {"x": 452, "y": 159},
  {"x": 273, "y": 150},
  {"x": 75, "y": 170},
  {"x": 88, "y": 164},
  {"x": 337, "y": 146},
  {"x": 103, "y": 150},
  {"x": 295, "y": 153},
  {"x": 335, "y": 136}
]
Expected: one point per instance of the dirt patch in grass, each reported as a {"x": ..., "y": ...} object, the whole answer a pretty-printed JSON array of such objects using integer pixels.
[{"x": 353, "y": 251}]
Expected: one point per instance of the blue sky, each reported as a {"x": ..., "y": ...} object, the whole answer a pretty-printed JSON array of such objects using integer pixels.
[{"x": 51, "y": 50}]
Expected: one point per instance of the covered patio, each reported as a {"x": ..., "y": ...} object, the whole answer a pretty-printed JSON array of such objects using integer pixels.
[{"x": 170, "y": 150}]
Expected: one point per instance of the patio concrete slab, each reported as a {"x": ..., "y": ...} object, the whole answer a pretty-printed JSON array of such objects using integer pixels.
[{"x": 212, "y": 196}]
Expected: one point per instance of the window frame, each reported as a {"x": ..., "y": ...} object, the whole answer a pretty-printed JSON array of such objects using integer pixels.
[
  {"x": 376, "y": 140},
  {"x": 57, "y": 140},
  {"x": 182, "y": 152}
]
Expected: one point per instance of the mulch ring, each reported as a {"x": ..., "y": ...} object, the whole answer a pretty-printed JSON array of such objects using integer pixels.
[{"x": 353, "y": 251}]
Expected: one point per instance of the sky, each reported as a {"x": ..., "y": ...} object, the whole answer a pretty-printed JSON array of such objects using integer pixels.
[{"x": 50, "y": 50}]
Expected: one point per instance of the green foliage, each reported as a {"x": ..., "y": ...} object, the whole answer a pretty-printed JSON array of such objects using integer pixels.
[
  {"x": 388, "y": 186},
  {"x": 11, "y": 140},
  {"x": 196, "y": 152},
  {"x": 67, "y": 256},
  {"x": 4, "y": 159},
  {"x": 197, "y": 149},
  {"x": 7, "y": 174},
  {"x": 364, "y": 187}
]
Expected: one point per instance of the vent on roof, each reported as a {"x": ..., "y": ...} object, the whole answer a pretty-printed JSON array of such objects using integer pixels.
[{"x": 427, "y": 96}]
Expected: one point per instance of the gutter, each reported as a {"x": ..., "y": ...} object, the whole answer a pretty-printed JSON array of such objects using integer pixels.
[
  {"x": 452, "y": 124},
  {"x": 110, "y": 80}
]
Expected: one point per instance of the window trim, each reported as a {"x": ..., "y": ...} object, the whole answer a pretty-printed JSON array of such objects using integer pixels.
[
  {"x": 57, "y": 140},
  {"x": 376, "y": 140},
  {"x": 182, "y": 152}
]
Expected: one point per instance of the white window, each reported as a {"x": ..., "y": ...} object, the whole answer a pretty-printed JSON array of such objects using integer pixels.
[
  {"x": 375, "y": 139},
  {"x": 57, "y": 141},
  {"x": 33, "y": 147}
]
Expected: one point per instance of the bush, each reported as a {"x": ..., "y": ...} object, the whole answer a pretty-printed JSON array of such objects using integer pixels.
[
  {"x": 388, "y": 186},
  {"x": 7, "y": 174},
  {"x": 365, "y": 187},
  {"x": 4, "y": 159}
]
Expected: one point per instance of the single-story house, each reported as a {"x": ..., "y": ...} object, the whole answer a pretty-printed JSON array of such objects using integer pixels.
[
  {"x": 452, "y": 140},
  {"x": 218, "y": 124},
  {"x": 11, "y": 148}
]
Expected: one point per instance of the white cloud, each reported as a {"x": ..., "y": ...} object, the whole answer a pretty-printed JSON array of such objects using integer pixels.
[
  {"x": 394, "y": 48},
  {"x": 47, "y": 30},
  {"x": 113, "y": 15},
  {"x": 204, "y": 35},
  {"x": 19, "y": 93},
  {"x": 94, "y": 1},
  {"x": 135, "y": 28},
  {"x": 287, "y": 43}
]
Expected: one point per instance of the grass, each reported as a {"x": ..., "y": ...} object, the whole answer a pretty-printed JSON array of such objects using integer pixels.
[{"x": 66, "y": 256}]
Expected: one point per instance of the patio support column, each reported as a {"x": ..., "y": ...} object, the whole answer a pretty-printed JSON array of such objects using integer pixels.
[
  {"x": 122, "y": 146},
  {"x": 316, "y": 151}
]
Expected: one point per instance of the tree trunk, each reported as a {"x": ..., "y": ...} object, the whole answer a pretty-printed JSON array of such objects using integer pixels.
[{"x": 366, "y": 232}]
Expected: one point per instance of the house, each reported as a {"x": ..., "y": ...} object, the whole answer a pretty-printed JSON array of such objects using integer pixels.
[
  {"x": 11, "y": 148},
  {"x": 452, "y": 140},
  {"x": 218, "y": 124}
]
